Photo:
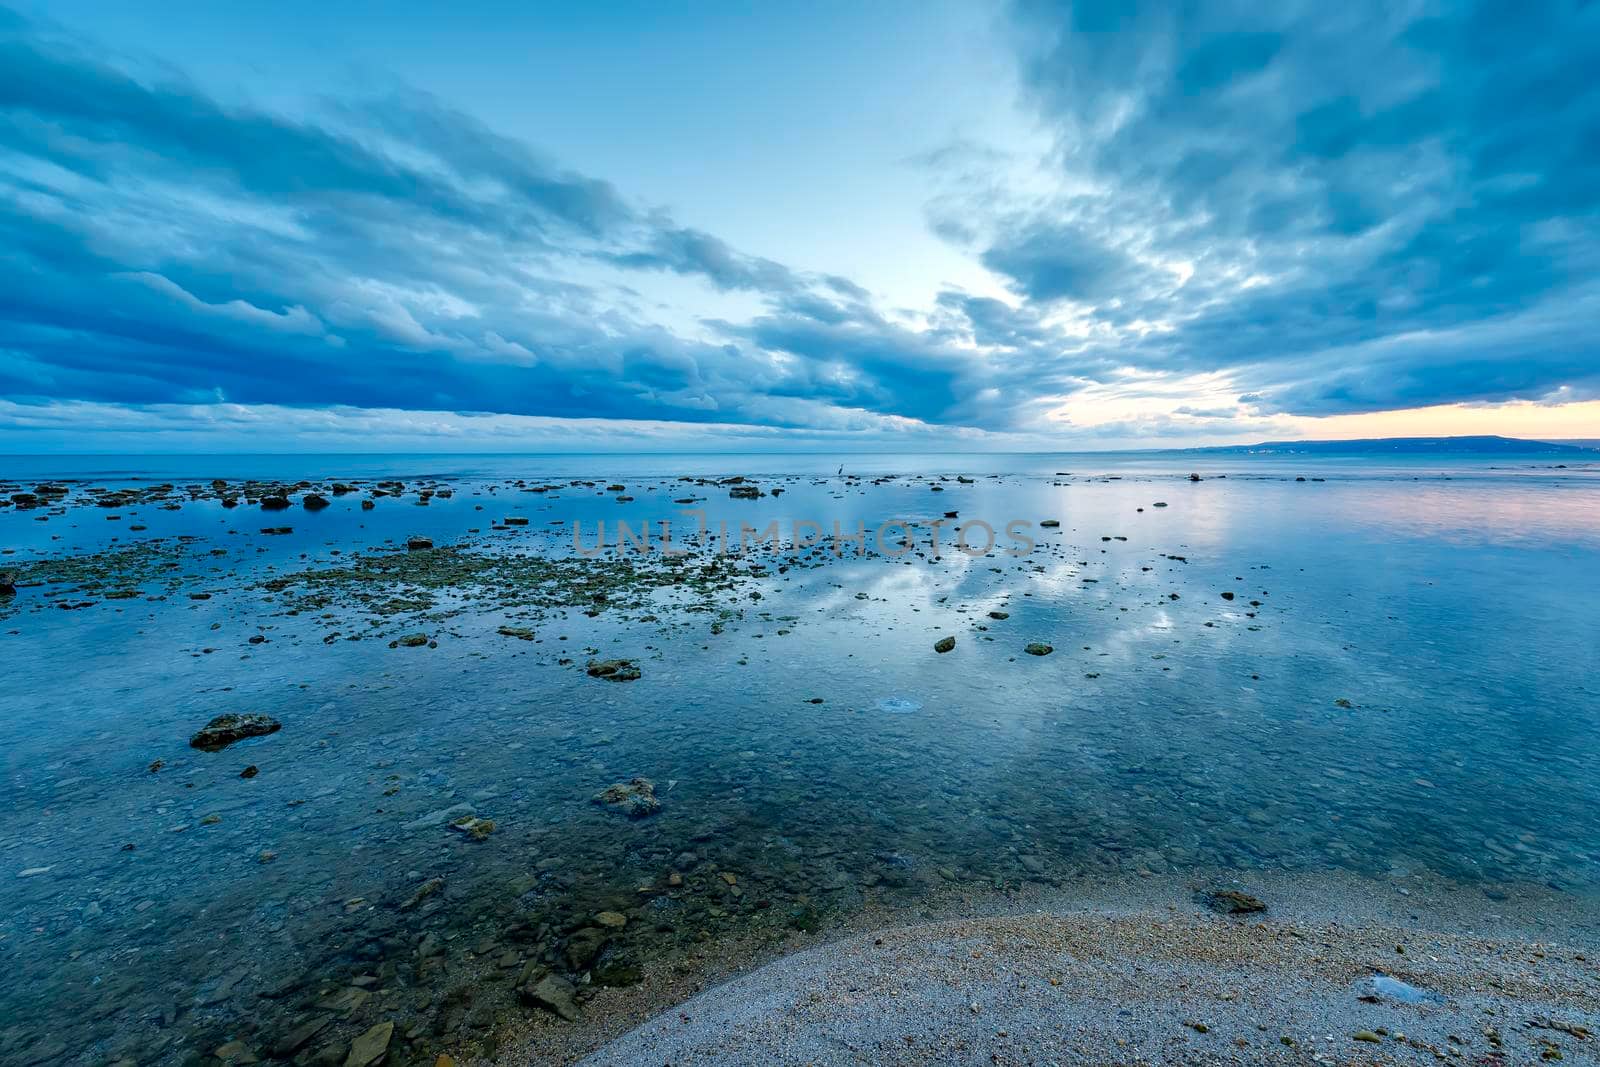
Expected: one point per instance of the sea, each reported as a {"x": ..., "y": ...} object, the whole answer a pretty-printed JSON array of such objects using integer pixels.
[{"x": 1188, "y": 665}]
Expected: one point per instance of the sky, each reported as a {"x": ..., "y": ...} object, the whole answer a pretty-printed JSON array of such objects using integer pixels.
[{"x": 933, "y": 226}]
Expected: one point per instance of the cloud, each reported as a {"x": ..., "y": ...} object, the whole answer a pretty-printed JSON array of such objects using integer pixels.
[
  {"x": 1317, "y": 212},
  {"x": 1311, "y": 192}
]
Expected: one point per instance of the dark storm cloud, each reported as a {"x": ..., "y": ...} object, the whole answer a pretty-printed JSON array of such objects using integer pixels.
[
  {"x": 158, "y": 246},
  {"x": 1302, "y": 183}
]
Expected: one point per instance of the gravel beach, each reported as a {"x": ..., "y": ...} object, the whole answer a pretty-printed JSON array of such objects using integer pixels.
[{"x": 1335, "y": 971}]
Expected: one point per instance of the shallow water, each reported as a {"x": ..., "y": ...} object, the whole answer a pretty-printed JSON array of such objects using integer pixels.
[{"x": 1402, "y": 682}]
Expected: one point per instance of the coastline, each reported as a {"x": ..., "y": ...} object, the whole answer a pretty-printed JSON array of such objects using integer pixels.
[{"x": 1135, "y": 971}]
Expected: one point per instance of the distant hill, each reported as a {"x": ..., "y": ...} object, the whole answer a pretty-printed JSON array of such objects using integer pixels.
[{"x": 1477, "y": 446}]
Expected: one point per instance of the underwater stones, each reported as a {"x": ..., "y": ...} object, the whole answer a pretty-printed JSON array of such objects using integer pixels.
[
  {"x": 1227, "y": 595},
  {"x": 515, "y": 520},
  {"x": 1231, "y": 902},
  {"x": 423, "y": 892},
  {"x": 584, "y": 947},
  {"x": 614, "y": 670},
  {"x": 8, "y": 583},
  {"x": 554, "y": 994},
  {"x": 944, "y": 644},
  {"x": 371, "y": 1046},
  {"x": 418, "y": 544},
  {"x": 635, "y": 798},
  {"x": 368, "y": 504},
  {"x": 411, "y": 641},
  {"x": 473, "y": 827},
  {"x": 520, "y": 632},
  {"x": 224, "y": 730},
  {"x": 611, "y": 920},
  {"x": 1050, "y": 524},
  {"x": 1038, "y": 648},
  {"x": 296, "y": 1038}
]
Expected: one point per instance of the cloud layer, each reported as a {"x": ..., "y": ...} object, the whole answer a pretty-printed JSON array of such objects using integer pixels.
[{"x": 1317, "y": 211}]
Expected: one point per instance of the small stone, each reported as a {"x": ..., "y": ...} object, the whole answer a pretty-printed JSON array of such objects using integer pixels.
[
  {"x": 412, "y": 641},
  {"x": 418, "y": 544},
  {"x": 613, "y": 920},
  {"x": 1038, "y": 648},
  {"x": 944, "y": 644},
  {"x": 1366, "y": 1035},
  {"x": 1232, "y": 902}
]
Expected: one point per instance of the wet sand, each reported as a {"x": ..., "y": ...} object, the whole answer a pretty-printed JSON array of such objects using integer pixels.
[{"x": 1143, "y": 972}]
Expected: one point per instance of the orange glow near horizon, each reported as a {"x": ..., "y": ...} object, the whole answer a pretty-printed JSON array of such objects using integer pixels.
[{"x": 1578, "y": 420}]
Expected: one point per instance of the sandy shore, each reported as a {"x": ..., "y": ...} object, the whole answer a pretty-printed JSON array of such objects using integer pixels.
[{"x": 1145, "y": 973}]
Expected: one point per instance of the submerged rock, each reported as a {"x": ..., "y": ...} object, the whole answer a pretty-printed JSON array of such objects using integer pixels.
[
  {"x": 615, "y": 670},
  {"x": 418, "y": 544},
  {"x": 473, "y": 827},
  {"x": 1039, "y": 648},
  {"x": 944, "y": 644},
  {"x": 1232, "y": 902},
  {"x": 224, "y": 730},
  {"x": 371, "y": 1046},
  {"x": 635, "y": 798},
  {"x": 554, "y": 995}
]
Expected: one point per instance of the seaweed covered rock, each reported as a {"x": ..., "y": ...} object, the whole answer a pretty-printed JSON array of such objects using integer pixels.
[
  {"x": 635, "y": 798},
  {"x": 614, "y": 670},
  {"x": 224, "y": 730}
]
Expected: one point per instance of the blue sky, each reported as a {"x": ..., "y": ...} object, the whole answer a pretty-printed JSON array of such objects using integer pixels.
[{"x": 932, "y": 225}]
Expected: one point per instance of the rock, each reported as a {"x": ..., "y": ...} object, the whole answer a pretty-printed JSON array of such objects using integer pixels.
[
  {"x": 1050, "y": 524},
  {"x": 745, "y": 492},
  {"x": 368, "y": 505},
  {"x": 412, "y": 640},
  {"x": 1038, "y": 648},
  {"x": 1232, "y": 902},
  {"x": 999, "y": 614},
  {"x": 313, "y": 502},
  {"x": 418, "y": 544},
  {"x": 235, "y": 1052},
  {"x": 1367, "y": 1036},
  {"x": 584, "y": 947},
  {"x": 8, "y": 583},
  {"x": 473, "y": 827},
  {"x": 614, "y": 670},
  {"x": 612, "y": 920},
  {"x": 520, "y": 632},
  {"x": 249, "y": 772},
  {"x": 1194, "y": 477},
  {"x": 423, "y": 892},
  {"x": 944, "y": 644},
  {"x": 554, "y": 995},
  {"x": 370, "y": 1047},
  {"x": 224, "y": 730},
  {"x": 274, "y": 503},
  {"x": 635, "y": 798},
  {"x": 441, "y": 816},
  {"x": 290, "y": 1043},
  {"x": 1227, "y": 595}
]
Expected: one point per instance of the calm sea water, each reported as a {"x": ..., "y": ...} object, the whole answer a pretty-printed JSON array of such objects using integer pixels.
[{"x": 1402, "y": 683}]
